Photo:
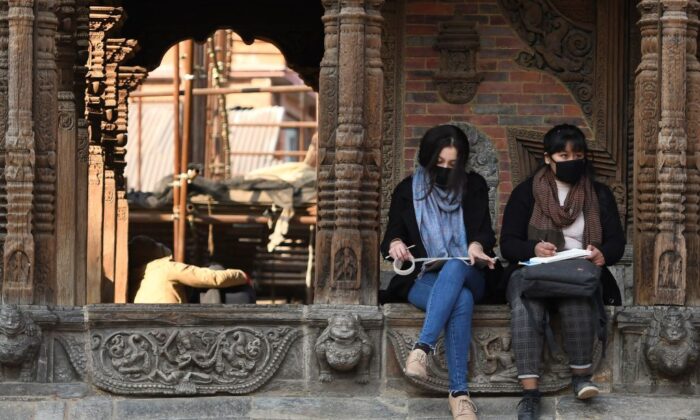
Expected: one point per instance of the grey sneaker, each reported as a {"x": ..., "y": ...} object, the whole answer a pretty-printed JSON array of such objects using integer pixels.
[{"x": 583, "y": 387}]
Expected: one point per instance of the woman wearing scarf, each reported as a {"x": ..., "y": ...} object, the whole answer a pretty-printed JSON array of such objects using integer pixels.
[
  {"x": 442, "y": 211},
  {"x": 560, "y": 207}
]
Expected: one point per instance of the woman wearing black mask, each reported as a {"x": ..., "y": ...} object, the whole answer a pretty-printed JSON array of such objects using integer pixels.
[
  {"x": 560, "y": 207},
  {"x": 442, "y": 211}
]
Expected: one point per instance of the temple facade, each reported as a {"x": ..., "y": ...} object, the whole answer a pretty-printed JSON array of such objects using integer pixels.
[{"x": 626, "y": 72}]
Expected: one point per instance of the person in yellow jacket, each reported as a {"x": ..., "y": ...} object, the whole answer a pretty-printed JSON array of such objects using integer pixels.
[{"x": 159, "y": 279}]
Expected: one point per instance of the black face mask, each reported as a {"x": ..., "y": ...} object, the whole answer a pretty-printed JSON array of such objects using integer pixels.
[
  {"x": 570, "y": 171},
  {"x": 441, "y": 176}
]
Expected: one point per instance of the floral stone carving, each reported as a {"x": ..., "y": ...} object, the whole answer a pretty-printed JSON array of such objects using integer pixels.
[
  {"x": 671, "y": 347},
  {"x": 457, "y": 78},
  {"x": 20, "y": 339},
  {"x": 344, "y": 346},
  {"x": 491, "y": 363},
  {"x": 189, "y": 361}
]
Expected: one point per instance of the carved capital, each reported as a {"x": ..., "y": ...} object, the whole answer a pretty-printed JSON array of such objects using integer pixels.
[
  {"x": 457, "y": 79},
  {"x": 671, "y": 347},
  {"x": 344, "y": 346}
]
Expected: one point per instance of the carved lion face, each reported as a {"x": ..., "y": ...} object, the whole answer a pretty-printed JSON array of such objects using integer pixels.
[
  {"x": 673, "y": 327},
  {"x": 11, "y": 320}
]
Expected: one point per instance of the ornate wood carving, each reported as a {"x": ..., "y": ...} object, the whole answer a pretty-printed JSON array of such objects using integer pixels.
[
  {"x": 646, "y": 130},
  {"x": 18, "y": 256},
  {"x": 102, "y": 20},
  {"x": 66, "y": 199},
  {"x": 4, "y": 39},
  {"x": 587, "y": 60},
  {"x": 350, "y": 153},
  {"x": 670, "y": 252},
  {"x": 392, "y": 138},
  {"x": 235, "y": 360},
  {"x": 692, "y": 192},
  {"x": 45, "y": 128},
  {"x": 457, "y": 78},
  {"x": 561, "y": 47}
]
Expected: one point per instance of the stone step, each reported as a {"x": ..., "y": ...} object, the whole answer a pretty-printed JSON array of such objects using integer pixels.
[{"x": 605, "y": 407}]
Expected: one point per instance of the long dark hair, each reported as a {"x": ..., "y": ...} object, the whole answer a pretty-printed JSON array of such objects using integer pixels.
[
  {"x": 559, "y": 136},
  {"x": 432, "y": 143}
]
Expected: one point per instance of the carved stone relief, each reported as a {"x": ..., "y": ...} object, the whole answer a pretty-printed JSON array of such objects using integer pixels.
[
  {"x": 20, "y": 339},
  {"x": 343, "y": 346},
  {"x": 671, "y": 347},
  {"x": 188, "y": 361},
  {"x": 457, "y": 79}
]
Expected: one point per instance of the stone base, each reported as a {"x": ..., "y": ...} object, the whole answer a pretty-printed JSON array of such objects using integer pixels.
[
  {"x": 295, "y": 351},
  {"x": 609, "y": 406}
]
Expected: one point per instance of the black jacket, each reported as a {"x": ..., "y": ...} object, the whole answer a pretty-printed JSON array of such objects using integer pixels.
[
  {"x": 403, "y": 225},
  {"x": 516, "y": 247}
]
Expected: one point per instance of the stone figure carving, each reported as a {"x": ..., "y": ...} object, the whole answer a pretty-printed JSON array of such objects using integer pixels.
[
  {"x": 20, "y": 339},
  {"x": 344, "y": 346},
  {"x": 457, "y": 78},
  {"x": 185, "y": 361},
  {"x": 671, "y": 347},
  {"x": 500, "y": 361}
]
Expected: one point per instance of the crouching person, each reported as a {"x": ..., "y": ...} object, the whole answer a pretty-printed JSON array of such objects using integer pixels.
[
  {"x": 159, "y": 279},
  {"x": 561, "y": 207}
]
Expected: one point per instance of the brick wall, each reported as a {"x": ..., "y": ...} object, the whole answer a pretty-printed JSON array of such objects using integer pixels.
[{"x": 508, "y": 96}]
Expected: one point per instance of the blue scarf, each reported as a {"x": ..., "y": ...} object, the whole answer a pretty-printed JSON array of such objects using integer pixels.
[{"x": 440, "y": 219}]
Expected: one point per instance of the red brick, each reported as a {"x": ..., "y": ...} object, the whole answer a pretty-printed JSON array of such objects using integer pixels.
[
  {"x": 572, "y": 111},
  {"x": 539, "y": 109},
  {"x": 420, "y": 52},
  {"x": 429, "y": 9},
  {"x": 426, "y": 119},
  {"x": 557, "y": 99},
  {"x": 497, "y": 20},
  {"x": 485, "y": 98},
  {"x": 510, "y": 98},
  {"x": 494, "y": 132},
  {"x": 444, "y": 108},
  {"x": 415, "y": 109},
  {"x": 415, "y": 63},
  {"x": 416, "y": 86},
  {"x": 544, "y": 87},
  {"x": 521, "y": 76},
  {"x": 508, "y": 42},
  {"x": 485, "y": 65},
  {"x": 483, "y": 120},
  {"x": 432, "y": 63},
  {"x": 507, "y": 65},
  {"x": 421, "y": 29},
  {"x": 500, "y": 87}
]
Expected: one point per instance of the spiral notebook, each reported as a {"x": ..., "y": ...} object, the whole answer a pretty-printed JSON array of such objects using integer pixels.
[{"x": 559, "y": 256}]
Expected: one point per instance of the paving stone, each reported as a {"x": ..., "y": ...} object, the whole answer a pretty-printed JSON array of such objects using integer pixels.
[
  {"x": 49, "y": 410},
  {"x": 324, "y": 408},
  {"x": 492, "y": 408},
  {"x": 16, "y": 410},
  {"x": 91, "y": 408},
  {"x": 183, "y": 408},
  {"x": 617, "y": 406}
]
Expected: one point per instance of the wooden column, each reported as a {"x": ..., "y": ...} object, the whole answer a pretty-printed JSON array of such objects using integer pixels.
[
  {"x": 349, "y": 154},
  {"x": 692, "y": 193},
  {"x": 45, "y": 105},
  {"x": 102, "y": 20},
  {"x": 129, "y": 79},
  {"x": 18, "y": 255},
  {"x": 4, "y": 40}
]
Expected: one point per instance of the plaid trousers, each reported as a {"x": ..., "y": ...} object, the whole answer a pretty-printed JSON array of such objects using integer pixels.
[{"x": 527, "y": 328}]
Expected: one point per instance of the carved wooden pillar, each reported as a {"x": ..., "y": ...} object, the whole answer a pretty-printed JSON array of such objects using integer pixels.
[
  {"x": 66, "y": 151},
  {"x": 102, "y": 20},
  {"x": 129, "y": 79},
  {"x": 18, "y": 256},
  {"x": 692, "y": 193},
  {"x": 45, "y": 129},
  {"x": 350, "y": 153},
  {"x": 117, "y": 51},
  {"x": 670, "y": 252},
  {"x": 646, "y": 130},
  {"x": 82, "y": 36},
  {"x": 4, "y": 34}
]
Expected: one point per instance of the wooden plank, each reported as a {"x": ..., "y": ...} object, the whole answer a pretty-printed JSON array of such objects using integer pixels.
[{"x": 95, "y": 224}]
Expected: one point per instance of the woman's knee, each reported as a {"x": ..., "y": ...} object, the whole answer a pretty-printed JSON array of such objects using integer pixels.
[{"x": 465, "y": 302}]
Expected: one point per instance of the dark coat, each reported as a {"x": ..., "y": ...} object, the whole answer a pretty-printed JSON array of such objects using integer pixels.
[
  {"x": 403, "y": 225},
  {"x": 516, "y": 247}
]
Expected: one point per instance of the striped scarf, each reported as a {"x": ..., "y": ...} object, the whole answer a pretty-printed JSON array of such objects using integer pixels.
[{"x": 549, "y": 217}]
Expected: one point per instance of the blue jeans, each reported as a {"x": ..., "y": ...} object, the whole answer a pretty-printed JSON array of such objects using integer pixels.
[{"x": 448, "y": 298}]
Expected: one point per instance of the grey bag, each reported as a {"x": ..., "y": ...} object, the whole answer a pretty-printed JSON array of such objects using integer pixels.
[{"x": 562, "y": 279}]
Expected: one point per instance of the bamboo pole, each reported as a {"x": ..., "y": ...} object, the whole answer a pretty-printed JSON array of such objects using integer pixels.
[
  {"x": 185, "y": 151},
  {"x": 176, "y": 139}
]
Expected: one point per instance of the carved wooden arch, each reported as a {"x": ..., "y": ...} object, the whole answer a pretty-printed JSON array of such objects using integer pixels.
[{"x": 295, "y": 28}]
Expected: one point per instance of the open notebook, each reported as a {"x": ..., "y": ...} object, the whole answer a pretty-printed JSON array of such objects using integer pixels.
[{"x": 559, "y": 256}]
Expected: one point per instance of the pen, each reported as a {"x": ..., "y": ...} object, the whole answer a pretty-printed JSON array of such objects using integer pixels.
[{"x": 408, "y": 247}]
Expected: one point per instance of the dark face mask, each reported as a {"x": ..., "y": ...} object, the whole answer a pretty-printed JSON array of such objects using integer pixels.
[
  {"x": 570, "y": 171},
  {"x": 441, "y": 176}
]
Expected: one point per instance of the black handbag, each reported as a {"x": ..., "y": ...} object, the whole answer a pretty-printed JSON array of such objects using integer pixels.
[{"x": 561, "y": 279}]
